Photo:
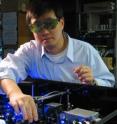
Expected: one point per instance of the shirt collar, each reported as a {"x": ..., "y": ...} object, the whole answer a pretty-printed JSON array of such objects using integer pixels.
[
  {"x": 42, "y": 52},
  {"x": 69, "y": 51},
  {"x": 70, "y": 54}
]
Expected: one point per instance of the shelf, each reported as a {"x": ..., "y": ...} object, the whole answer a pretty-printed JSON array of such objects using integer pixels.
[{"x": 99, "y": 7}]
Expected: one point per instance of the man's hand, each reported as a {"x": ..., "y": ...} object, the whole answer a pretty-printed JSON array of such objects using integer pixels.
[
  {"x": 20, "y": 102},
  {"x": 25, "y": 104},
  {"x": 84, "y": 74}
]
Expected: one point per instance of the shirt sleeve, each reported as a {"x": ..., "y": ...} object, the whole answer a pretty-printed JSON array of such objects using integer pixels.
[
  {"x": 15, "y": 66},
  {"x": 101, "y": 73}
]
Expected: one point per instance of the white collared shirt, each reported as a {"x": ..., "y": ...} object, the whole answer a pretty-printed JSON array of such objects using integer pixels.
[{"x": 31, "y": 59}]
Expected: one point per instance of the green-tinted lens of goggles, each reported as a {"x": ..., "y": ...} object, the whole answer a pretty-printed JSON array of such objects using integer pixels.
[{"x": 47, "y": 24}]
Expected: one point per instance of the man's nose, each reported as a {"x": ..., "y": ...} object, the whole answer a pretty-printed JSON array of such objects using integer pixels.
[{"x": 44, "y": 30}]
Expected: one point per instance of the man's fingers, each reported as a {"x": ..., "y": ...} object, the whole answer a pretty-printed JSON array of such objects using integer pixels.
[
  {"x": 29, "y": 110},
  {"x": 34, "y": 111},
  {"x": 24, "y": 104},
  {"x": 81, "y": 69},
  {"x": 77, "y": 69},
  {"x": 23, "y": 110},
  {"x": 15, "y": 106},
  {"x": 84, "y": 73}
]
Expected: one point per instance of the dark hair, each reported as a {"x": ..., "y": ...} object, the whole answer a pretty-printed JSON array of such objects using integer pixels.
[{"x": 36, "y": 8}]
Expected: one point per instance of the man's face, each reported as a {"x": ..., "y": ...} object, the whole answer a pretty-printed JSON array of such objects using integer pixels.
[{"x": 47, "y": 29}]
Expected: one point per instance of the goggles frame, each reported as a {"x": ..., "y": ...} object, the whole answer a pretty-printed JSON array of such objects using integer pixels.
[{"x": 48, "y": 24}]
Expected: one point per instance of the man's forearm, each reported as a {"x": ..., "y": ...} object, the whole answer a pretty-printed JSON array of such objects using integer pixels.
[{"x": 9, "y": 86}]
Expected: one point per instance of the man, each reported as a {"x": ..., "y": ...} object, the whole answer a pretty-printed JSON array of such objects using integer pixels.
[{"x": 53, "y": 55}]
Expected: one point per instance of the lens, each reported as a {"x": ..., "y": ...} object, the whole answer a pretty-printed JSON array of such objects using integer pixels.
[
  {"x": 36, "y": 27},
  {"x": 51, "y": 23}
]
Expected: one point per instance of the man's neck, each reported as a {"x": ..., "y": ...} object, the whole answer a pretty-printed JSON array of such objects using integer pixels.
[{"x": 62, "y": 44}]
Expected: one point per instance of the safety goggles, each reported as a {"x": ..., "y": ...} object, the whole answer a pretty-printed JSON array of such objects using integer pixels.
[{"x": 48, "y": 24}]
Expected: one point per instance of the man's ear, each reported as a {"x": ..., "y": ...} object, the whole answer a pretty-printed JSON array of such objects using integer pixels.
[{"x": 62, "y": 21}]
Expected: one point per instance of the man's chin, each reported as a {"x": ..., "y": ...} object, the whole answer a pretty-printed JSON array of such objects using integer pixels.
[{"x": 44, "y": 41}]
